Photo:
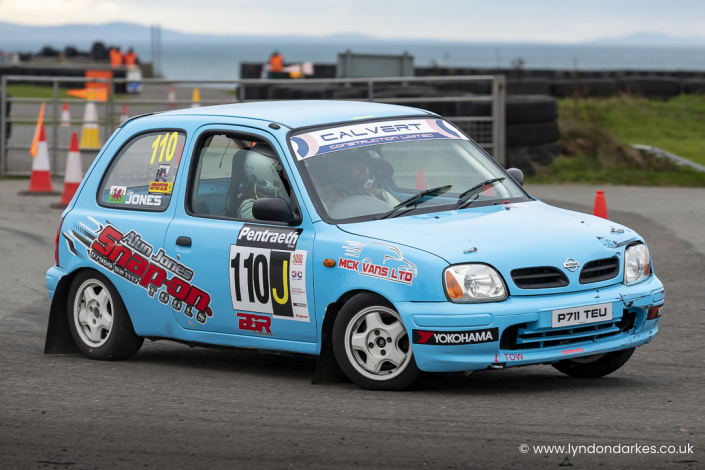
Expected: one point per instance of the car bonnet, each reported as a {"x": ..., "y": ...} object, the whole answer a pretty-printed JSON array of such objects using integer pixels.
[{"x": 508, "y": 237}]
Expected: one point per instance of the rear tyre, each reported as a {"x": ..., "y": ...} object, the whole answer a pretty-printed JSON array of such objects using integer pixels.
[
  {"x": 371, "y": 345},
  {"x": 98, "y": 319},
  {"x": 592, "y": 367}
]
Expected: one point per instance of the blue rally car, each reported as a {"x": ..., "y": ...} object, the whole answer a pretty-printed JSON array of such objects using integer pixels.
[{"x": 380, "y": 238}]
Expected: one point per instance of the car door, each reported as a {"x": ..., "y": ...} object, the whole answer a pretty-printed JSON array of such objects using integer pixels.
[
  {"x": 251, "y": 275},
  {"x": 126, "y": 226}
]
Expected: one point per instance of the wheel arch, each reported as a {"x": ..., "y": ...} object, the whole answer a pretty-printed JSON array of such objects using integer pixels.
[
  {"x": 327, "y": 370},
  {"x": 59, "y": 339}
]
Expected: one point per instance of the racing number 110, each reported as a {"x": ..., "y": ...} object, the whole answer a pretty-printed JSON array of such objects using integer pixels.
[
  {"x": 258, "y": 279},
  {"x": 167, "y": 144}
]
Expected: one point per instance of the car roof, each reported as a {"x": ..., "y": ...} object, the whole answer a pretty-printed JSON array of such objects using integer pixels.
[{"x": 302, "y": 113}]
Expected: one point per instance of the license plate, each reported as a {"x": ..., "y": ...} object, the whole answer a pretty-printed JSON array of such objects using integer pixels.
[{"x": 581, "y": 315}]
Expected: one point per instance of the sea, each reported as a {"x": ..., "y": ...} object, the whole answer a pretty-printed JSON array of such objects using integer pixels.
[{"x": 221, "y": 61}]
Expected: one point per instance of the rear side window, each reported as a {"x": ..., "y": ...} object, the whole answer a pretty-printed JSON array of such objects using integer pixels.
[{"x": 143, "y": 173}]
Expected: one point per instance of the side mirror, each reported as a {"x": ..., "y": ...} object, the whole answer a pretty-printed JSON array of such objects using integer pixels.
[
  {"x": 517, "y": 175},
  {"x": 272, "y": 209}
]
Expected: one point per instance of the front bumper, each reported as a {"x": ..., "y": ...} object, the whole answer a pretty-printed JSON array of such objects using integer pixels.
[{"x": 531, "y": 315}]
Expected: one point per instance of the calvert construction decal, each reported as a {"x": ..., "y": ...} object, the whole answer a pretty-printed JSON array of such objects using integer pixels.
[
  {"x": 361, "y": 135},
  {"x": 133, "y": 259},
  {"x": 455, "y": 338}
]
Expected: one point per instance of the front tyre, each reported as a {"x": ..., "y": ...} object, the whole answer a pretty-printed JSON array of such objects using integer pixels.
[
  {"x": 98, "y": 319},
  {"x": 592, "y": 367},
  {"x": 371, "y": 345}
]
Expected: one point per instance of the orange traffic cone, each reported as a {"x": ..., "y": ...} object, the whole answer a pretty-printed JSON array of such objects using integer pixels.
[
  {"x": 65, "y": 116},
  {"x": 172, "y": 96},
  {"x": 600, "y": 209},
  {"x": 125, "y": 115},
  {"x": 420, "y": 180},
  {"x": 40, "y": 182},
  {"x": 73, "y": 176}
]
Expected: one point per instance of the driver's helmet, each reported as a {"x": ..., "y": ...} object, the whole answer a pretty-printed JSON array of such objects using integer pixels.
[
  {"x": 366, "y": 156},
  {"x": 262, "y": 172}
]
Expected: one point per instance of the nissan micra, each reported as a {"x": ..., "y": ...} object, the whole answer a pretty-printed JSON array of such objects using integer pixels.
[{"x": 380, "y": 238}]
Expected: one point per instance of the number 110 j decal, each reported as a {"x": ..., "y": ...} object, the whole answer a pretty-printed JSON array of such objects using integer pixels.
[{"x": 268, "y": 273}]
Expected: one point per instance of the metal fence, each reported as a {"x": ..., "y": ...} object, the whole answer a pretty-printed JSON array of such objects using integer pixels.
[{"x": 487, "y": 128}]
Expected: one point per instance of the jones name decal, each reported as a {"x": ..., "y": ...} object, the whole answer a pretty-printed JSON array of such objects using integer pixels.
[{"x": 440, "y": 338}]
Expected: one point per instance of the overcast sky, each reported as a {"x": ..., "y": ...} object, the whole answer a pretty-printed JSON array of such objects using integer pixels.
[{"x": 464, "y": 20}]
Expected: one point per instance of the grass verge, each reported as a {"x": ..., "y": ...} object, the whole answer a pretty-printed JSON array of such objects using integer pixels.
[
  {"x": 596, "y": 133},
  {"x": 35, "y": 91},
  {"x": 675, "y": 125}
]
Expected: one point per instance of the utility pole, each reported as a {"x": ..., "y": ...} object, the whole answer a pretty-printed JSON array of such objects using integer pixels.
[{"x": 156, "y": 45}]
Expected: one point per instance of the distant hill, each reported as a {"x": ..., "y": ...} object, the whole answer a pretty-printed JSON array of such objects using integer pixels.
[
  {"x": 83, "y": 35},
  {"x": 15, "y": 36},
  {"x": 649, "y": 40}
]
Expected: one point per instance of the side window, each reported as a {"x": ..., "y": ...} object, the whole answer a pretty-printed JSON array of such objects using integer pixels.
[
  {"x": 143, "y": 173},
  {"x": 231, "y": 173}
]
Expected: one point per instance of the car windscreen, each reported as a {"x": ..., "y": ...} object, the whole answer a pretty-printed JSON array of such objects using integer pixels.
[{"x": 359, "y": 172}]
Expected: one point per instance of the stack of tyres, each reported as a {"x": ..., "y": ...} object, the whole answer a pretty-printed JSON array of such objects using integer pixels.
[
  {"x": 529, "y": 86},
  {"x": 585, "y": 87},
  {"x": 532, "y": 132},
  {"x": 413, "y": 92},
  {"x": 657, "y": 87}
]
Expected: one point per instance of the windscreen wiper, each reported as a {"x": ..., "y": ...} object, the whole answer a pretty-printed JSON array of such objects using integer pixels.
[
  {"x": 414, "y": 200},
  {"x": 466, "y": 195}
]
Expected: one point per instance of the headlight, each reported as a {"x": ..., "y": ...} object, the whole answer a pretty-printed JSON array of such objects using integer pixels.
[
  {"x": 636, "y": 263},
  {"x": 474, "y": 283}
]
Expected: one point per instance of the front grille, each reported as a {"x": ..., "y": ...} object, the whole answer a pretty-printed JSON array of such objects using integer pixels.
[
  {"x": 599, "y": 270},
  {"x": 520, "y": 336},
  {"x": 539, "y": 278}
]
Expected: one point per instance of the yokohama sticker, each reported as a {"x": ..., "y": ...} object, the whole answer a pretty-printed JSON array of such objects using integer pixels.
[
  {"x": 133, "y": 259},
  {"x": 268, "y": 273},
  {"x": 455, "y": 338},
  {"x": 391, "y": 267}
]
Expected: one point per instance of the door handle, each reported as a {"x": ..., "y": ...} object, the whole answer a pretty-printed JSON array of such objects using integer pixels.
[{"x": 183, "y": 241}]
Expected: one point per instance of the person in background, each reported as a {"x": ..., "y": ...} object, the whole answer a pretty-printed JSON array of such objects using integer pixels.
[
  {"x": 276, "y": 64},
  {"x": 115, "y": 57},
  {"x": 131, "y": 58}
]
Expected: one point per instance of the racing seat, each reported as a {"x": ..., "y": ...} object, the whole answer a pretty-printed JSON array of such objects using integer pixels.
[{"x": 237, "y": 181}]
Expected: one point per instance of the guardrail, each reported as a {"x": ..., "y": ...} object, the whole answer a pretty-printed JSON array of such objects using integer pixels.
[{"x": 487, "y": 130}]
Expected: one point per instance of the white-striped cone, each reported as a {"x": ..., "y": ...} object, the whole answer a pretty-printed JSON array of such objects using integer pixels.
[
  {"x": 74, "y": 173},
  {"x": 90, "y": 133},
  {"x": 172, "y": 96},
  {"x": 125, "y": 115},
  {"x": 40, "y": 182},
  {"x": 65, "y": 116}
]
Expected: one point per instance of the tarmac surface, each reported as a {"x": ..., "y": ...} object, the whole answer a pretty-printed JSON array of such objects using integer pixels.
[{"x": 175, "y": 407}]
